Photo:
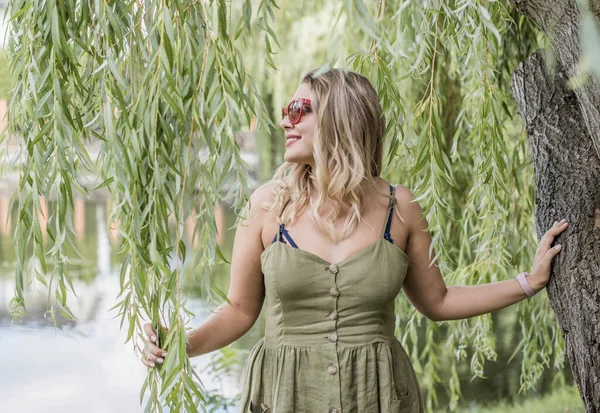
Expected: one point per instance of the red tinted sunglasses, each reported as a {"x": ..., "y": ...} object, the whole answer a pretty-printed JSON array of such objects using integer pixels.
[{"x": 296, "y": 109}]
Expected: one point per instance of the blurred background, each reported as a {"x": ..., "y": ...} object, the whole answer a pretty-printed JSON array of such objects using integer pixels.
[{"x": 85, "y": 367}]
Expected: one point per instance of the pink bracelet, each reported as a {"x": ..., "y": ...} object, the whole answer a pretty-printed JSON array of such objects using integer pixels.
[{"x": 524, "y": 284}]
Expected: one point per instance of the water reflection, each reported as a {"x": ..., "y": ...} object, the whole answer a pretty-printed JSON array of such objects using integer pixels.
[{"x": 76, "y": 368}]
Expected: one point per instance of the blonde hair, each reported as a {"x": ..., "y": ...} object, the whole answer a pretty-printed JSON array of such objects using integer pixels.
[{"x": 348, "y": 152}]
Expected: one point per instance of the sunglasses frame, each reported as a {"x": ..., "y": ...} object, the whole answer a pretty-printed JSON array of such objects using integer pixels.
[{"x": 286, "y": 109}]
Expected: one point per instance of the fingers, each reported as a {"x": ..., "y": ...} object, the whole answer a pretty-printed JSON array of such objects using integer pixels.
[
  {"x": 150, "y": 332},
  {"x": 545, "y": 253},
  {"x": 152, "y": 354},
  {"x": 555, "y": 230},
  {"x": 151, "y": 362},
  {"x": 559, "y": 227},
  {"x": 147, "y": 363},
  {"x": 552, "y": 252},
  {"x": 153, "y": 350}
]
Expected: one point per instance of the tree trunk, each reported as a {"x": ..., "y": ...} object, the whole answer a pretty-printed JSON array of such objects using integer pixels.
[
  {"x": 564, "y": 135},
  {"x": 560, "y": 21},
  {"x": 567, "y": 182}
]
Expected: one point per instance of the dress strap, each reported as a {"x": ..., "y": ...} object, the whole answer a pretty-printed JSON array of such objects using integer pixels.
[{"x": 388, "y": 224}]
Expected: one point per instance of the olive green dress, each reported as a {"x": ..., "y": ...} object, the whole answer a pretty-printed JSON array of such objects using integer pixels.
[{"x": 329, "y": 344}]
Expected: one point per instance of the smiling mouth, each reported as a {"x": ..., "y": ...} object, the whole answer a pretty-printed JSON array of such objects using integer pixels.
[{"x": 291, "y": 140}]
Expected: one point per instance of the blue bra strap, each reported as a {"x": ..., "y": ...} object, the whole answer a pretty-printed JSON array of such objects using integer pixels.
[
  {"x": 288, "y": 237},
  {"x": 284, "y": 233},
  {"x": 388, "y": 224}
]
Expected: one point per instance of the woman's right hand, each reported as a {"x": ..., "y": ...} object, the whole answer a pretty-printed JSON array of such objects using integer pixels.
[{"x": 152, "y": 354}]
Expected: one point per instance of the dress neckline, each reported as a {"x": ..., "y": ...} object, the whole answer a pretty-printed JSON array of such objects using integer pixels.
[{"x": 345, "y": 260}]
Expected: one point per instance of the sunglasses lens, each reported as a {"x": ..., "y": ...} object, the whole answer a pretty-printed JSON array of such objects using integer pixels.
[{"x": 294, "y": 109}]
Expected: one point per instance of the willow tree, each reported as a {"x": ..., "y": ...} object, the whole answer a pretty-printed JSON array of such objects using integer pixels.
[
  {"x": 563, "y": 125},
  {"x": 166, "y": 85},
  {"x": 163, "y": 88}
]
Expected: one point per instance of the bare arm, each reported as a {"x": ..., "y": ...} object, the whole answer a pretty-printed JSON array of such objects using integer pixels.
[
  {"x": 246, "y": 290},
  {"x": 427, "y": 291}
]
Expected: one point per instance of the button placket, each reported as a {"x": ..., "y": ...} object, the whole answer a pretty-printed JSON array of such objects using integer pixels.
[
  {"x": 332, "y": 337},
  {"x": 334, "y": 293}
]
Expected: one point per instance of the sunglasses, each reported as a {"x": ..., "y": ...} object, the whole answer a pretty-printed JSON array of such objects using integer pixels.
[{"x": 295, "y": 110}]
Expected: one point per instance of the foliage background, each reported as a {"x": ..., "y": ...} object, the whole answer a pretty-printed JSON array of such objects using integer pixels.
[{"x": 5, "y": 75}]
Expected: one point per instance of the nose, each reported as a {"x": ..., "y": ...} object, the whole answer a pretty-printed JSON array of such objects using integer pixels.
[{"x": 285, "y": 123}]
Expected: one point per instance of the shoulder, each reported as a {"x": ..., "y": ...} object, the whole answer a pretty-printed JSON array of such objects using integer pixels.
[
  {"x": 403, "y": 194},
  {"x": 261, "y": 196},
  {"x": 259, "y": 212},
  {"x": 409, "y": 207},
  {"x": 264, "y": 193},
  {"x": 254, "y": 215}
]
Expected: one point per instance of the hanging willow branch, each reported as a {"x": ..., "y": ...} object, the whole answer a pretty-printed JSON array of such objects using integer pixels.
[
  {"x": 162, "y": 86},
  {"x": 450, "y": 63}
]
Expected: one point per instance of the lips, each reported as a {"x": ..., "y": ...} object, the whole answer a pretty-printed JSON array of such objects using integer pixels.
[{"x": 290, "y": 139}]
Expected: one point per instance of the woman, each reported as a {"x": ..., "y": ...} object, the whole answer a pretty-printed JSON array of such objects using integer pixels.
[{"x": 330, "y": 245}]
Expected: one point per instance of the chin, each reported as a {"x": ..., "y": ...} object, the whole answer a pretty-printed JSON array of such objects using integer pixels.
[{"x": 302, "y": 159}]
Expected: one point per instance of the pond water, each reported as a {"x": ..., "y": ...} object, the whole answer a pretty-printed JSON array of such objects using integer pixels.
[{"x": 85, "y": 366}]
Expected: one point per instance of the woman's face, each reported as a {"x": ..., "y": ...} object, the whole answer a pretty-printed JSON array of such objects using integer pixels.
[{"x": 299, "y": 137}]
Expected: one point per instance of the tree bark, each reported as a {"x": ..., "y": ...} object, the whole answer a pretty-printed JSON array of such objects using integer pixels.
[
  {"x": 567, "y": 185},
  {"x": 564, "y": 135},
  {"x": 560, "y": 21}
]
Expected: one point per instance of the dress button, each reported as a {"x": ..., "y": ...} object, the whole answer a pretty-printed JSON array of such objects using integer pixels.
[
  {"x": 333, "y": 337},
  {"x": 332, "y": 369},
  {"x": 333, "y": 315},
  {"x": 334, "y": 292},
  {"x": 333, "y": 269}
]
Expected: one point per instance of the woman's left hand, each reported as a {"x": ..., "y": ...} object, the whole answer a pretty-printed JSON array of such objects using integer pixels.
[{"x": 540, "y": 274}]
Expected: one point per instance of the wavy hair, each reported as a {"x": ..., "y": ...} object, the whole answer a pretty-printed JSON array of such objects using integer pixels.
[{"x": 348, "y": 152}]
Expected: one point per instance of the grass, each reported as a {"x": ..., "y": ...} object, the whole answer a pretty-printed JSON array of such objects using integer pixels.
[{"x": 566, "y": 400}]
